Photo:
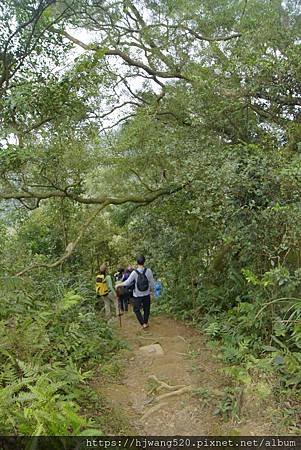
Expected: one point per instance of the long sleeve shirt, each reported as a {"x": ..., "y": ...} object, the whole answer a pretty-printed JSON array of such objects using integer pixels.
[
  {"x": 133, "y": 278},
  {"x": 109, "y": 283}
]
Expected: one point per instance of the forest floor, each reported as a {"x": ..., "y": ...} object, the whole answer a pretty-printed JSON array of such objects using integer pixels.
[{"x": 206, "y": 402}]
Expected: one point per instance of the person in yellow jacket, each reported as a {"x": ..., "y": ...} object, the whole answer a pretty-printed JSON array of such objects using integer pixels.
[{"x": 105, "y": 291}]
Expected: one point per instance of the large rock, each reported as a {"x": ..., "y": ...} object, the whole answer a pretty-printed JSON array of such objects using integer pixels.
[{"x": 152, "y": 350}]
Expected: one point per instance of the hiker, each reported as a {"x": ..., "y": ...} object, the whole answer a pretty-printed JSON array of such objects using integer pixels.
[
  {"x": 144, "y": 285},
  {"x": 124, "y": 293},
  {"x": 127, "y": 272},
  {"x": 129, "y": 289},
  {"x": 123, "y": 298},
  {"x": 105, "y": 290},
  {"x": 119, "y": 274}
]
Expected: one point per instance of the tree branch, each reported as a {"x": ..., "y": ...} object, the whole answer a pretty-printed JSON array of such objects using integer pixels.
[
  {"x": 212, "y": 39},
  {"x": 126, "y": 58},
  {"x": 70, "y": 247},
  {"x": 30, "y": 194},
  {"x": 102, "y": 116},
  {"x": 33, "y": 20},
  {"x": 109, "y": 127},
  {"x": 106, "y": 201},
  {"x": 141, "y": 181}
]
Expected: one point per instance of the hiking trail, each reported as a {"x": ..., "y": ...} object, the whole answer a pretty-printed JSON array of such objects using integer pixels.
[{"x": 180, "y": 392}]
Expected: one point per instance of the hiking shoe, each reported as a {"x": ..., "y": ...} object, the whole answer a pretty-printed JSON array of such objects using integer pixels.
[{"x": 145, "y": 325}]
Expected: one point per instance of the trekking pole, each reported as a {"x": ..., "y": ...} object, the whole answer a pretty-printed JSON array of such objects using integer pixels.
[
  {"x": 119, "y": 313},
  {"x": 119, "y": 317}
]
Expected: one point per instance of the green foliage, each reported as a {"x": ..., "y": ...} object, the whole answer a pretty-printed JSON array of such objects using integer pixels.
[
  {"x": 204, "y": 97},
  {"x": 52, "y": 341},
  {"x": 228, "y": 406}
]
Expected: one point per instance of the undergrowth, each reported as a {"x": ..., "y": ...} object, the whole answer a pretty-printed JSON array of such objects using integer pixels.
[
  {"x": 258, "y": 337},
  {"x": 52, "y": 341}
]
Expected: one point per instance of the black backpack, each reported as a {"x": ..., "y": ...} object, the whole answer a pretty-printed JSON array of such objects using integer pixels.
[
  {"x": 142, "y": 282},
  {"x": 130, "y": 290}
]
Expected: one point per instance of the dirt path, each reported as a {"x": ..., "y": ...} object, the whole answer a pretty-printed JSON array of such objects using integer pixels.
[{"x": 209, "y": 405}]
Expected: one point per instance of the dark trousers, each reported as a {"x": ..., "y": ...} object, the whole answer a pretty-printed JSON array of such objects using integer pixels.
[
  {"x": 123, "y": 303},
  {"x": 144, "y": 303}
]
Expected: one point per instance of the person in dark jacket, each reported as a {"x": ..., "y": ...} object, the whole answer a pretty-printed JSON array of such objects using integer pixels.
[
  {"x": 129, "y": 289},
  {"x": 119, "y": 274},
  {"x": 121, "y": 292}
]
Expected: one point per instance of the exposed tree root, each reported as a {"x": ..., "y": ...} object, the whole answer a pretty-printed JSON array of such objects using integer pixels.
[
  {"x": 181, "y": 391},
  {"x": 163, "y": 385},
  {"x": 152, "y": 410},
  {"x": 175, "y": 390},
  {"x": 150, "y": 338}
]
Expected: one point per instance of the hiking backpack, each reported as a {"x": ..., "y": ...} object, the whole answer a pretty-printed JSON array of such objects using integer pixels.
[
  {"x": 142, "y": 282},
  {"x": 130, "y": 290},
  {"x": 120, "y": 291},
  {"x": 101, "y": 285}
]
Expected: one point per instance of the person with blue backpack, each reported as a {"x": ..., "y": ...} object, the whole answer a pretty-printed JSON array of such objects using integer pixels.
[{"x": 143, "y": 287}]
